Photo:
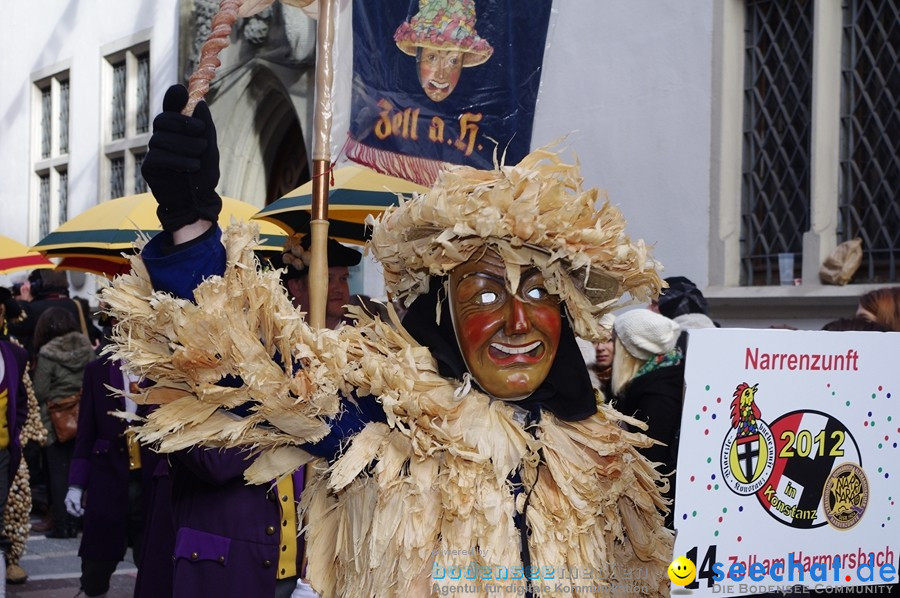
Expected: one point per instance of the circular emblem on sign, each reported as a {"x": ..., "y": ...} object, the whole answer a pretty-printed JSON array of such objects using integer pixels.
[
  {"x": 809, "y": 444},
  {"x": 845, "y": 495},
  {"x": 748, "y": 459}
]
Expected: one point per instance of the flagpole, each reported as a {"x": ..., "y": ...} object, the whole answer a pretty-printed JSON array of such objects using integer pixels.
[{"x": 318, "y": 267}]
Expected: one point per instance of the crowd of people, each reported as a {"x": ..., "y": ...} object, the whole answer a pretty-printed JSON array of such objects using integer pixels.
[{"x": 503, "y": 351}]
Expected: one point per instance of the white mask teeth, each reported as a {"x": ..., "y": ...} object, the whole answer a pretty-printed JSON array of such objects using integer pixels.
[{"x": 516, "y": 350}]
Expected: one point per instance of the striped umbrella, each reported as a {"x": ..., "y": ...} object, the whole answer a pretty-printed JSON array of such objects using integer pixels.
[
  {"x": 355, "y": 193},
  {"x": 110, "y": 228},
  {"x": 16, "y": 256}
]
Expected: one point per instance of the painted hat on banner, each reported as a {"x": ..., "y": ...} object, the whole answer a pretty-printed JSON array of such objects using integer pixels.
[{"x": 444, "y": 25}]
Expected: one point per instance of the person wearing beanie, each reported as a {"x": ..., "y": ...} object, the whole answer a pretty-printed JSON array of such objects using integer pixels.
[
  {"x": 648, "y": 383},
  {"x": 684, "y": 303}
]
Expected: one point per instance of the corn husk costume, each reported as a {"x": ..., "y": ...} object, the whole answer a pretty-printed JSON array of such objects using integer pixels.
[{"x": 428, "y": 493}]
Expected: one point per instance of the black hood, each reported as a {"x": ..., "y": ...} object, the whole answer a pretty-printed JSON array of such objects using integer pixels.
[{"x": 567, "y": 391}]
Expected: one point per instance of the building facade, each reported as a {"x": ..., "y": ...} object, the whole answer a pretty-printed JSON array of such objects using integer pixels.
[{"x": 728, "y": 131}]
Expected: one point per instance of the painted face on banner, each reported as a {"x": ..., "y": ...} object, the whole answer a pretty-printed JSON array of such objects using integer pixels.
[
  {"x": 508, "y": 341},
  {"x": 439, "y": 71}
]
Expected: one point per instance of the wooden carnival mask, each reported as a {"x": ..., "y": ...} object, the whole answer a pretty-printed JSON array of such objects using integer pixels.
[{"x": 508, "y": 340}]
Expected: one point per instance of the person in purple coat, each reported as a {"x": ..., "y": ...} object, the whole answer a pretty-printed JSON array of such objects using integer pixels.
[
  {"x": 231, "y": 539},
  {"x": 107, "y": 477},
  {"x": 13, "y": 409}
]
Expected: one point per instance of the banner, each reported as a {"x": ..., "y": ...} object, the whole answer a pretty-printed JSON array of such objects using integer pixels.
[
  {"x": 439, "y": 81},
  {"x": 788, "y": 461}
]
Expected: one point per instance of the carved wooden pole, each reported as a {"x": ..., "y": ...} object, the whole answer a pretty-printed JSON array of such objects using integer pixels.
[{"x": 318, "y": 267}]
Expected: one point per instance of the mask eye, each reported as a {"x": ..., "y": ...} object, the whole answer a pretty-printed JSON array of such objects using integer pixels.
[
  {"x": 486, "y": 297},
  {"x": 537, "y": 293}
]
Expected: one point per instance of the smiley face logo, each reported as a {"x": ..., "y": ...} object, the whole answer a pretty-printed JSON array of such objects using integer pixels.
[{"x": 682, "y": 571}]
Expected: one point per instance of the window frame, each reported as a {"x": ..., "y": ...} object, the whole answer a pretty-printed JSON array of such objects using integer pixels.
[
  {"x": 133, "y": 143},
  {"x": 812, "y": 299},
  {"x": 57, "y": 162}
]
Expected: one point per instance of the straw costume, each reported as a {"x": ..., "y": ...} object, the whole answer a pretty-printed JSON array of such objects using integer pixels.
[{"x": 425, "y": 474}]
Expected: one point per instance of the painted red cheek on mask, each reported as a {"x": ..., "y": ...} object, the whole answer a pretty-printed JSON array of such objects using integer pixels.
[
  {"x": 479, "y": 327},
  {"x": 546, "y": 319}
]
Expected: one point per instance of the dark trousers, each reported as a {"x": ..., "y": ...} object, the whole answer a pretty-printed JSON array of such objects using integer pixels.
[
  {"x": 95, "y": 576},
  {"x": 59, "y": 455},
  {"x": 95, "y": 573},
  {"x": 285, "y": 587}
]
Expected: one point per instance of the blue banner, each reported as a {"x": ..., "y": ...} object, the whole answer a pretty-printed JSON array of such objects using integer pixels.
[{"x": 440, "y": 81}]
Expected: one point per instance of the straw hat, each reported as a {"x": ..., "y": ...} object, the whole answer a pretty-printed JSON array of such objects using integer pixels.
[
  {"x": 444, "y": 25},
  {"x": 534, "y": 214}
]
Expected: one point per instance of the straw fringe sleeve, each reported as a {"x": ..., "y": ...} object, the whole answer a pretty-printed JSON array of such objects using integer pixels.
[{"x": 428, "y": 490}]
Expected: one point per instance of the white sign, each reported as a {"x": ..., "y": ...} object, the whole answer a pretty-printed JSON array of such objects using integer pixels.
[{"x": 788, "y": 465}]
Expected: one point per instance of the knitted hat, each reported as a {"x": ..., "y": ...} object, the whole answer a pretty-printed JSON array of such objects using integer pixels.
[
  {"x": 645, "y": 333},
  {"x": 682, "y": 297},
  {"x": 444, "y": 25}
]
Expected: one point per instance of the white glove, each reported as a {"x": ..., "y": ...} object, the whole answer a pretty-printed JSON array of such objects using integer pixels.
[
  {"x": 303, "y": 590},
  {"x": 73, "y": 501}
]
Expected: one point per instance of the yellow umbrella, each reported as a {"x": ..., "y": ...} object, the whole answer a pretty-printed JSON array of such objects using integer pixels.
[
  {"x": 355, "y": 193},
  {"x": 16, "y": 256},
  {"x": 110, "y": 228}
]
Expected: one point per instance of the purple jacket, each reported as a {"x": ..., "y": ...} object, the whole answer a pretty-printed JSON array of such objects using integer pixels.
[
  {"x": 100, "y": 463},
  {"x": 14, "y": 362},
  {"x": 228, "y": 533}
]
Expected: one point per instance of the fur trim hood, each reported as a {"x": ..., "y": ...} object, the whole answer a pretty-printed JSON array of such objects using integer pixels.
[{"x": 72, "y": 350}]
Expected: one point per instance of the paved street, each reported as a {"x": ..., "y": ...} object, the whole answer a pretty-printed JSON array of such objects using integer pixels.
[{"x": 53, "y": 570}]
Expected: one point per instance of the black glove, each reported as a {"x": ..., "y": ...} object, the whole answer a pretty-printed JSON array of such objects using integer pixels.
[{"x": 182, "y": 164}]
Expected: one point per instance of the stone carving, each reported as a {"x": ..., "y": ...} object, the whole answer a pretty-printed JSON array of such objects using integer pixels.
[
  {"x": 256, "y": 28},
  {"x": 204, "y": 10}
]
